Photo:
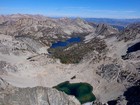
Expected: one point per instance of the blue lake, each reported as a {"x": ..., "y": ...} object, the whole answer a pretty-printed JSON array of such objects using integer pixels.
[{"x": 66, "y": 43}]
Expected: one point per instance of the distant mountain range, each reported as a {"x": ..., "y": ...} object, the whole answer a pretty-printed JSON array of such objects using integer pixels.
[{"x": 118, "y": 22}]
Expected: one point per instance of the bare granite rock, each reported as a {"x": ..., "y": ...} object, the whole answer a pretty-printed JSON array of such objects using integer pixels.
[
  {"x": 36, "y": 96},
  {"x": 106, "y": 30},
  {"x": 109, "y": 71},
  {"x": 131, "y": 32}
]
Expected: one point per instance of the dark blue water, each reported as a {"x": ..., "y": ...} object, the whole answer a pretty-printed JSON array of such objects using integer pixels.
[
  {"x": 66, "y": 43},
  {"x": 113, "y": 102},
  {"x": 134, "y": 48},
  {"x": 132, "y": 95}
]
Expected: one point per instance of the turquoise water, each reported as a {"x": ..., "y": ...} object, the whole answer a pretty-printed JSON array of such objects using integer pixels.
[{"x": 66, "y": 43}]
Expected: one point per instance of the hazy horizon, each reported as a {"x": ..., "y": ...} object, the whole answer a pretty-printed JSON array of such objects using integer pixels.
[
  {"x": 119, "y": 9},
  {"x": 71, "y": 16}
]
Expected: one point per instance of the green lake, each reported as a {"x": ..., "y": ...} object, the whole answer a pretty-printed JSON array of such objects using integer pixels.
[{"x": 82, "y": 91}]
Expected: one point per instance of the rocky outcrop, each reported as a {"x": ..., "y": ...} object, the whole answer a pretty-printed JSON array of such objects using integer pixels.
[
  {"x": 106, "y": 30},
  {"x": 131, "y": 32},
  {"x": 3, "y": 85},
  {"x": 2, "y": 65},
  {"x": 10, "y": 95},
  {"x": 109, "y": 71},
  {"x": 35, "y": 96},
  {"x": 127, "y": 75}
]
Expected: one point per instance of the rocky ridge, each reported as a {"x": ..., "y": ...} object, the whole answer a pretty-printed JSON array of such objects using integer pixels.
[{"x": 10, "y": 95}]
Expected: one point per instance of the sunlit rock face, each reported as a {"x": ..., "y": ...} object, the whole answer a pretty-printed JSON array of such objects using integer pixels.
[
  {"x": 10, "y": 95},
  {"x": 36, "y": 96},
  {"x": 106, "y": 30}
]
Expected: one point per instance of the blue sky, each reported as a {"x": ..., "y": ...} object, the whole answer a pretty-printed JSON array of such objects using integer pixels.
[{"x": 74, "y": 8}]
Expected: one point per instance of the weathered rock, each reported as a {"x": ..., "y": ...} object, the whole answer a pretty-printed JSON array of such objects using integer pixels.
[
  {"x": 2, "y": 65},
  {"x": 3, "y": 85},
  {"x": 106, "y": 30},
  {"x": 36, "y": 96},
  {"x": 131, "y": 32},
  {"x": 122, "y": 76},
  {"x": 109, "y": 71}
]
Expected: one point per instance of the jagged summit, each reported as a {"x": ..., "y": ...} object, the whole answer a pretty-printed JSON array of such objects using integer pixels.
[{"x": 104, "y": 29}]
